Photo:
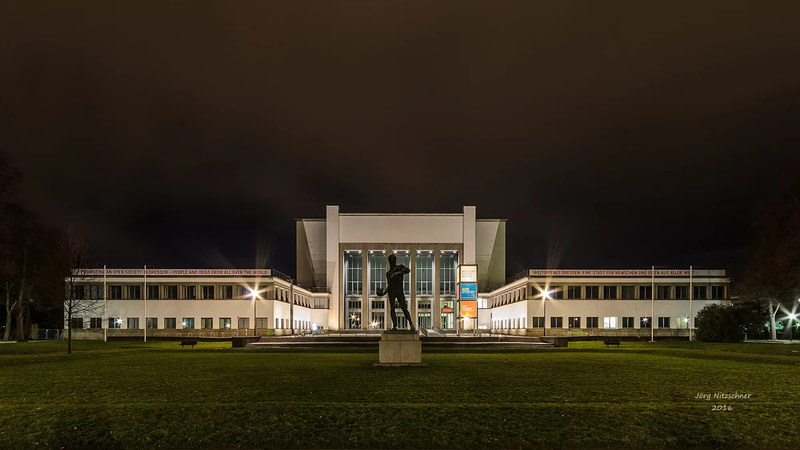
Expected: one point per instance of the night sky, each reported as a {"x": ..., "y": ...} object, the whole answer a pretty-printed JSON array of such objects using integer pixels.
[{"x": 609, "y": 134}]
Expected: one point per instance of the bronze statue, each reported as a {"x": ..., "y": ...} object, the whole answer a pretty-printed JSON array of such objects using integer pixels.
[{"x": 394, "y": 287}]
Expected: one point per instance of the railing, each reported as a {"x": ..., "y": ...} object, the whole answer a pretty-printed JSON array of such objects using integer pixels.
[
  {"x": 47, "y": 334},
  {"x": 516, "y": 277},
  {"x": 282, "y": 276}
]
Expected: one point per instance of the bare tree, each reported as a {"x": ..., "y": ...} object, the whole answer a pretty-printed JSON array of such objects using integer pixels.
[{"x": 73, "y": 260}]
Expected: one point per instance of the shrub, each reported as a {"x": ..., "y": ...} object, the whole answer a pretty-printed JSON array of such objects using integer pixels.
[{"x": 720, "y": 323}]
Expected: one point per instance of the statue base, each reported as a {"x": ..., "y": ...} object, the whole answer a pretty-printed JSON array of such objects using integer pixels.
[{"x": 399, "y": 348}]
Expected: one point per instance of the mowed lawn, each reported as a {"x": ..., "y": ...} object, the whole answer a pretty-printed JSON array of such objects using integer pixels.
[{"x": 135, "y": 395}]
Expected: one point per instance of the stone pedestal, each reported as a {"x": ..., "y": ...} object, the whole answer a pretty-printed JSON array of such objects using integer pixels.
[{"x": 400, "y": 348}]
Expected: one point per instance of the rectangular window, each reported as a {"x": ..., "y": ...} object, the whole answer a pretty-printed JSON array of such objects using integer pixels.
[
  {"x": 556, "y": 322},
  {"x": 134, "y": 292},
  {"x": 645, "y": 292},
  {"x": 663, "y": 292},
  {"x": 628, "y": 292},
  {"x": 354, "y": 304},
  {"x": 424, "y": 320},
  {"x": 226, "y": 292},
  {"x": 79, "y": 292},
  {"x": 592, "y": 292},
  {"x": 170, "y": 323},
  {"x": 352, "y": 273},
  {"x": 115, "y": 292},
  {"x": 699, "y": 293},
  {"x": 448, "y": 260},
  {"x": 681, "y": 322},
  {"x": 573, "y": 292},
  {"x": 663, "y": 322},
  {"x": 133, "y": 323},
  {"x": 262, "y": 323},
  {"x": 610, "y": 322},
  {"x": 76, "y": 323},
  {"x": 644, "y": 322},
  {"x": 574, "y": 322},
  {"x": 244, "y": 323},
  {"x": 537, "y": 322},
  {"x": 115, "y": 322},
  {"x": 206, "y": 323},
  {"x": 96, "y": 323},
  {"x": 426, "y": 304},
  {"x": 424, "y": 268},
  {"x": 208, "y": 292},
  {"x": 171, "y": 292},
  {"x": 717, "y": 292},
  {"x": 404, "y": 259},
  {"x": 225, "y": 323},
  {"x": 96, "y": 292},
  {"x": 557, "y": 292},
  {"x": 591, "y": 322},
  {"x": 610, "y": 292},
  {"x": 377, "y": 271},
  {"x": 152, "y": 292},
  {"x": 627, "y": 322},
  {"x": 190, "y": 292},
  {"x": 355, "y": 320},
  {"x": 152, "y": 323},
  {"x": 681, "y": 292},
  {"x": 377, "y": 304},
  {"x": 188, "y": 323}
]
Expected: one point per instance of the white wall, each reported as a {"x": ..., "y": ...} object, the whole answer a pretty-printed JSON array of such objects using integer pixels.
[{"x": 406, "y": 228}]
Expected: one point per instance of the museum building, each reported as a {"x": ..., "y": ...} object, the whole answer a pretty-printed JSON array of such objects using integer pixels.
[{"x": 457, "y": 283}]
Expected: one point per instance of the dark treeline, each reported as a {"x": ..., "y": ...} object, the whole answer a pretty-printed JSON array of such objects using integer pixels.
[{"x": 32, "y": 268}]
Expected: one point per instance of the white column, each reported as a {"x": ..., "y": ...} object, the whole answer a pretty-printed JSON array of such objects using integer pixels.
[
  {"x": 333, "y": 260},
  {"x": 469, "y": 237}
]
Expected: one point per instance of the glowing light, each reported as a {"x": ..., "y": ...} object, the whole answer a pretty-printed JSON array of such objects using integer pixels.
[{"x": 546, "y": 294}]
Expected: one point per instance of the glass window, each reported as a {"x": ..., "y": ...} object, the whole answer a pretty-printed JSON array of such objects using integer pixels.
[
  {"x": 537, "y": 322},
  {"x": 610, "y": 322},
  {"x": 644, "y": 322},
  {"x": 424, "y": 270},
  {"x": 190, "y": 292},
  {"x": 681, "y": 292},
  {"x": 628, "y": 292},
  {"x": 76, "y": 323},
  {"x": 262, "y": 323},
  {"x": 556, "y": 292},
  {"x": 681, "y": 322},
  {"x": 96, "y": 292},
  {"x": 208, "y": 292},
  {"x": 244, "y": 323},
  {"x": 171, "y": 292},
  {"x": 115, "y": 322},
  {"x": 424, "y": 320},
  {"x": 225, "y": 323},
  {"x": 152, "y": 292},
  {"x": 226, "y": 292},
  {"x": 354, "y": 304},
  {"x": 152, "y": 323},
  {"x": 699, "y": 293},
  {"x": 170, "y": 323},
  {"x": 448, "y": 261},
  {"x": 188, "y": 323},
  {"x": 115, "y": 292},
  {"x": 663, "y": 292},
  {"x": 378, "y": 321},
  {"x": 574, "y": 322},
  {"x": 404, "y": 259},
  {"x": 645, "y": 292},
  {"x": 627, "y": 322},
  {"x": 573, "y": 292},
  {"x": 610, "y": 292},
  {"x": 556, "y": 322},
  {"x": 352, "y": 272},
  {"x": 355, "y": 320},
  {"x": 377, "y": 271},
  {"x": 207, "y": 323},
  {"x": 592, "y": 292},
  {"x": 663, "y": 322},
  {"x": 591, "y": 322},
  {"x": 79, "y": 292},
  {"x": 717, "y": 292},
  {"x": 96, "y": 323},
  {"x": 134, "y": 292},
  {"x": 133, "y": 323}
]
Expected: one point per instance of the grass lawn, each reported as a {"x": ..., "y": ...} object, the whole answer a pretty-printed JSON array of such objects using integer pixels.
[{"x": 133, "y": 395}]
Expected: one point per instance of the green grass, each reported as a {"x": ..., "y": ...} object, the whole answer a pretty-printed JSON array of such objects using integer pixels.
[{"x": 132, "y": 395}]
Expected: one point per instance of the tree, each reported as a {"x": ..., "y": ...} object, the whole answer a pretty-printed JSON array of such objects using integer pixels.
[
  {"x": 772, "y": 276},
  {"x": 724, "y": 323},
  {"x": 72, "y": 258}
]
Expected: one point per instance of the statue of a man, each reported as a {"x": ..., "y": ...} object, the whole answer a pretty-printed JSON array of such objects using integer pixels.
[{"x": 394, "y": 288}]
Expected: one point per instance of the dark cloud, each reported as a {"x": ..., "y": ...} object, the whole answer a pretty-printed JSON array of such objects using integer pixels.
[{"x": 609, "y": 134}]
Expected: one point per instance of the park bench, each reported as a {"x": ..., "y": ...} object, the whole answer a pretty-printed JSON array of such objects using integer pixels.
[
  {"x": 611, "y": 341},
  {"x": 192, "y": 343}
]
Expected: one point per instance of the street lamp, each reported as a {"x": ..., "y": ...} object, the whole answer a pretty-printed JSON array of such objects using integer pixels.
[
  {"x": 254, "y": 296},
  {"x": 545, "y": 295},
  {"x": 792, "y": 318}
]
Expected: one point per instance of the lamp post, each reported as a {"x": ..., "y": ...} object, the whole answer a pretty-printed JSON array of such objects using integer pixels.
[
  {"x": 792, "y": 318},
  {"x": 545, "y": 295},
  {"x": 254, "y": 296}
]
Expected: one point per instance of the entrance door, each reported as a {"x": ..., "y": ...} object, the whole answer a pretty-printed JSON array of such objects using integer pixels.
[{"x": 424, "y": 320}]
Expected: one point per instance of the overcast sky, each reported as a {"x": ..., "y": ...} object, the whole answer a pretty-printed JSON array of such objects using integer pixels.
[{"x": 609, "y": 134}]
